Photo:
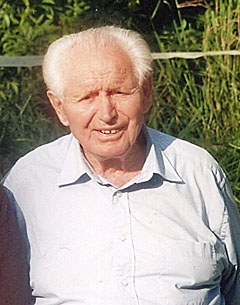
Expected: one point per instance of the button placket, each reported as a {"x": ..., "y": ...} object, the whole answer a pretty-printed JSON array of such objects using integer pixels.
[
  {"x": 124, "y": 255},
  {"x": 123, "y": 259}
]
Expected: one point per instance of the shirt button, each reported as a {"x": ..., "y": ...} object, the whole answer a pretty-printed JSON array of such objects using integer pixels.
[
  {"x": 119, "y": 194},
  {"x": 124, "y": 282},
  {"x": 123, "y": 237}
]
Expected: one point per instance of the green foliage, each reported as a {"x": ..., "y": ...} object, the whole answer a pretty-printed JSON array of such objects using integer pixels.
[
  {"x": 25, "y": 119},
  {"x": 27, "y": 26}
]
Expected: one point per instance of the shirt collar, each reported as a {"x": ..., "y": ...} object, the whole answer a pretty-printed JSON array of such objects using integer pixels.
[
  {"x": 74, "y": 167},
  {"x": 157, "y": 162}
]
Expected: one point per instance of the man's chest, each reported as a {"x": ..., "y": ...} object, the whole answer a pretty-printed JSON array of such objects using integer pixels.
[{"x": 128, "y": 246}]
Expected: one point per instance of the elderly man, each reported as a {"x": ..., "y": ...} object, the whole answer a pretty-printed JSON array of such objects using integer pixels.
[{"x": 118, "y": 213}]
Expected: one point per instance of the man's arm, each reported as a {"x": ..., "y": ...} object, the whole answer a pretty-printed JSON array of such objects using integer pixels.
[
  {"x": 14, "y": 271},
  {"x": 230, "y": 235}
]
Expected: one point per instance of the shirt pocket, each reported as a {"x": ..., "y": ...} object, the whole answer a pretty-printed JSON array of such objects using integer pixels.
[{"x": 195, "y": 264}]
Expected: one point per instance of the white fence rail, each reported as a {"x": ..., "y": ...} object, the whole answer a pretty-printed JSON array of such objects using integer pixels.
[{"x": 35, "y": 60}]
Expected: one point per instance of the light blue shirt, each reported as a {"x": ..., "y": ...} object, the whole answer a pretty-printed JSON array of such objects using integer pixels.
[{"x": 168, "y": 237}]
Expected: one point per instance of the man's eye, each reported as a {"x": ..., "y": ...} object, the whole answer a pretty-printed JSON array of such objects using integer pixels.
[
  {"x": 124, "y": 92},
  {"x": 86, "y": 98},
  {"x": 120, "y": 93}
]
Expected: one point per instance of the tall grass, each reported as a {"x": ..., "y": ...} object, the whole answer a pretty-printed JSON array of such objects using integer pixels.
[
  {"x": 199, "y": 100},
  {"x": 26, "y": 118}
]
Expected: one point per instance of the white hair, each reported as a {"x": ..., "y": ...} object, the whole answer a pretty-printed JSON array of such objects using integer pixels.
[{"x": 129, "y": 41}]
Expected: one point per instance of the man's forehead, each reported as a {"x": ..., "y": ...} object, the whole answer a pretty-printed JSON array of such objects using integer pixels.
[
  {"x": 92, "y": 78},
  {"x": 98, "y": 62},
  {"x": 115, "y": 51}
]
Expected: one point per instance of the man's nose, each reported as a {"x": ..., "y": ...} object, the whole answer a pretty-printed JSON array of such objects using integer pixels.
[{"x": 107, "y": 108}]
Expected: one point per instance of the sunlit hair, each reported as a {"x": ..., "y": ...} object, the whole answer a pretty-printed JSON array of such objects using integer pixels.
[{"x": 129, "y": 41}]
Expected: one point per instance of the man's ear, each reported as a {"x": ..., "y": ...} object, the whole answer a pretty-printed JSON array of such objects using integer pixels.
[
  {"x": 57, "y": 104},
  {"x": 147, "y": 94}
]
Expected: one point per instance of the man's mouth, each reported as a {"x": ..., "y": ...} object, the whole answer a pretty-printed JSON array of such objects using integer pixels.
[{"x": 112, "y": 131}]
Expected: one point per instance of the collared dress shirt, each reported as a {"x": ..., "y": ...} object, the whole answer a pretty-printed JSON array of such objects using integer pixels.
[{"x": 170, "y": 236}]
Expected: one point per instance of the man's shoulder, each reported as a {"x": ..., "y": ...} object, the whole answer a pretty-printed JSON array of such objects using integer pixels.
[
  {"x": 177, "y": 149},
  {"x": 49, "y": 154}
]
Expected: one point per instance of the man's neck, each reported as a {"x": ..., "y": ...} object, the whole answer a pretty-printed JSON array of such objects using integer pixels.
[{"x": 121, "y": 170}]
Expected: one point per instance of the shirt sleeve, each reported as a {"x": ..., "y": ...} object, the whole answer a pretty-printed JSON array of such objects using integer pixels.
[
  {"x": 14, "y": 271},
  {"x": 230, "y": 236}
]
